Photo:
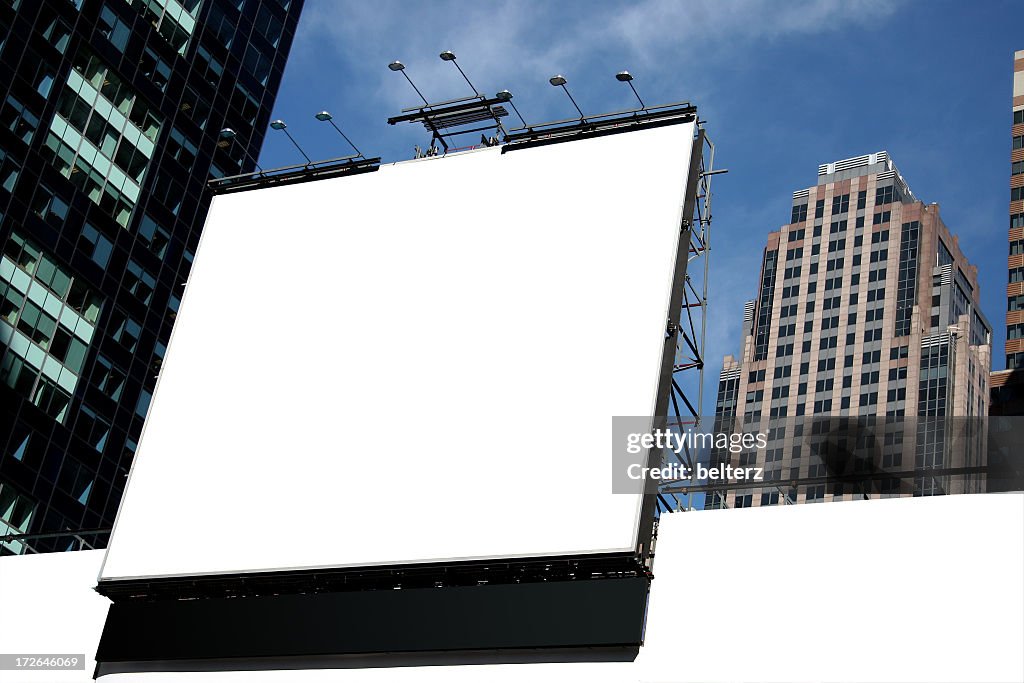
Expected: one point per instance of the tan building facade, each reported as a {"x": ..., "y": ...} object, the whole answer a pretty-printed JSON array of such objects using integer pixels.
[
  {"x": 1008, "y": 385},
  {"x": 866, "y": 307}
]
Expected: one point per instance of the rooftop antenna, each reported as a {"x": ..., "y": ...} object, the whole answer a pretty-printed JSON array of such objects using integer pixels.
[
  {"x": 626, "y": 77},
  {"x": 278, "y": 124},
  {"x": 398, "y": 66},
  {"x": 326, "y": 116},
  {"x": 559, "y": 80},
  {"x": 226, "y": 137},
  {"x": 449, "y": 56},
  {"x": 506, "y": 96}
]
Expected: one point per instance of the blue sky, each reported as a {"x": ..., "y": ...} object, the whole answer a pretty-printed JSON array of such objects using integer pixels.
[{"x": 783, "y": 85}]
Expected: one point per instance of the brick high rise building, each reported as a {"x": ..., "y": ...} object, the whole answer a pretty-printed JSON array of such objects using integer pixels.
[
  {"x": 1008, "y": 385},
  {"x": 112, "y": 119},
  {"x": 866, "y": 307}
]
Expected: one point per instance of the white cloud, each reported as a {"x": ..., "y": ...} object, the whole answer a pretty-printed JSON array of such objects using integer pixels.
[{"x": 514, "y": 43}]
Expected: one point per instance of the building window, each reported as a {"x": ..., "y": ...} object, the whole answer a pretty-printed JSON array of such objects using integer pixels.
[
  {"x": 155, "y": 68},
  {"x": 207, "y": 66},
  {"x": 95, "y": 245},
  {"x": 762, "y": 330},
  {"x": 153, "y": 236},
  {"x": 44, "y": 80},
  {"x": 92, "y": 428},
  {"x": 57, "y": 34},
  {"x": 48, "y": 206},
  {"x": 140, "y": 283},
  {"x": 102, "y": 151},
  {"x": 840, "y": 204},
  {"x": 9, "y": 171},
  {"x": 142, "y": 405},
  {"x": 269, "y": 26},
  {"x": 181, "y": 149},
  {"x": 799, "y": 215},
  {"x": 19, "y": 120},
  {"x": 107, "y": 378},
  {"x": 174, "y": 21},
  {"x": 221, "y": 25},
  {"x": 47, "y": 322},
  {"x": 127, "y": 333},
  {"x": 884, "y": 195},
  {"x": 906, "y": 284},
  {"x": 195, "y": 107},
  {"x": 112, "y": 28},
  {"x": 256, "y": 63},
  {"x": 16, "y": 512}
]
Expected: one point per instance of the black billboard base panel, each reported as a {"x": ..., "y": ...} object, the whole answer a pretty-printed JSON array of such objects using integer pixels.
[
  {"x": 560, "y": 621},
  {"x": 376, "y": 661}
]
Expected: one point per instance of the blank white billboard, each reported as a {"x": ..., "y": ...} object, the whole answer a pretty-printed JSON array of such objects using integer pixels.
[{"x": 419, "y": 364}]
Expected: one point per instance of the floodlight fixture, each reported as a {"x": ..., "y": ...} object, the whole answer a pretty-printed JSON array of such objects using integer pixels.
[
  {"x": 506, "y": 96},
  {"x": 278, "y": 124},
  {"x": 558, "y": 80},
  {"x": 326, "y": 116},
  {"x": 626, "y": 77},
  {"x": 449, "y": 56},
  {"x": 398, "y": 66},
  {"x": 226, "y": 137}
]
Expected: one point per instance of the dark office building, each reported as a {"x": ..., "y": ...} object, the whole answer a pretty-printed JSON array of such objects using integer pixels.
[{"x": 112, "y": 118}]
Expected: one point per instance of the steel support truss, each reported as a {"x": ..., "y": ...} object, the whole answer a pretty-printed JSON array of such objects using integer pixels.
[{"x": 687, "y": 392}]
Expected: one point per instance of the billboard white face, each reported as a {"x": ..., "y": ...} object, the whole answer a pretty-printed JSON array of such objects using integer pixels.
[{"x": 419, "y": 364}]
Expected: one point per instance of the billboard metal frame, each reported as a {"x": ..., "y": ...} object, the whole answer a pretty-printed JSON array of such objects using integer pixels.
[
  {"x": 679, "y": 333},
  {"x": 687, "y": 395},
  {"x": 153, "y": 603}
]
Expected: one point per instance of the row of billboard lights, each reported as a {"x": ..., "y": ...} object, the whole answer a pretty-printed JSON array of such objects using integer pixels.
[
  {"x": 558, "y": 81},
  {"x": 227, "y": 135}
]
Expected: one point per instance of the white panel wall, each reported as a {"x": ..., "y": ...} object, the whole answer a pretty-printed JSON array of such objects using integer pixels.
[
  {"x": 418, "y": 364},
  {"x": 922, "y": 589}
]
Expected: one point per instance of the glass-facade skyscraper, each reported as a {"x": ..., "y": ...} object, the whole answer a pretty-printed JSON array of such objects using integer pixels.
[{"x": 112, "y": 119}]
